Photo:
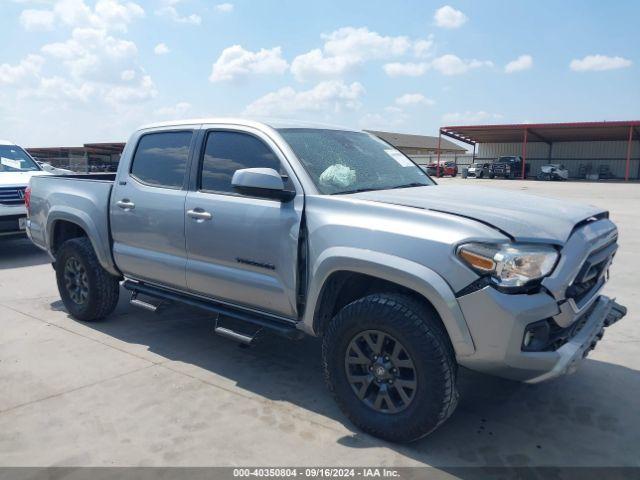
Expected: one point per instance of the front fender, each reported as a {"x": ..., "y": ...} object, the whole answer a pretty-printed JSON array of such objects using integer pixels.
[
  {"x": 394, "y": 269},
  {"x": 98, "y": 236}
]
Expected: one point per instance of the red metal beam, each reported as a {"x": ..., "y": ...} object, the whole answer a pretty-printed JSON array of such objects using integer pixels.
[
  {"x": 524, "y": 154},
  {"x": 626, "y": 168},
  {"x": 458, "y": 137},
  {"x": 439, "y": 142},
  {"x": 549, "y": 132},
  {"x": 546, "y": 125}
]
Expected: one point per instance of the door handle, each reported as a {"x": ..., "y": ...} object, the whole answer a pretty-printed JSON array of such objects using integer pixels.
[
  {"x": 126, "y": 204},
  {"x": 199, "y": 214}
]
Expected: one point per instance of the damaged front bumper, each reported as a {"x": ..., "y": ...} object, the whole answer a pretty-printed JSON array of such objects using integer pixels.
[
  {"x": 604, "y": 313},
  {"x": 532, "y": 337},
  {"x": 498, "y": 323}
]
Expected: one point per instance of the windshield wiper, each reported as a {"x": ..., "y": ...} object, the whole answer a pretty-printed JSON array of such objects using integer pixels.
[
  {"x": 357, "y": 190},
  {"x": 409, "y": 185}
]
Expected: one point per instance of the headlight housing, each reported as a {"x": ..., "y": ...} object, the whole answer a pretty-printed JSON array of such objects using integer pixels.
[{"x": 510, "y": 265}]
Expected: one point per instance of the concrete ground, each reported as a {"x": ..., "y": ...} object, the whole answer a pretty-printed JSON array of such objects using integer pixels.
[{"x": 144, "y": 389}]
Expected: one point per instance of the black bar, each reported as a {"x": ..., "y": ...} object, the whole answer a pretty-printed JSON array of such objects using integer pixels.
[{"x": 287, "y": 330}]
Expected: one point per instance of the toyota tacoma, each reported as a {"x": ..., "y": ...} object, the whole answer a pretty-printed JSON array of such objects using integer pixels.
[{"x": 304, "y": 229}]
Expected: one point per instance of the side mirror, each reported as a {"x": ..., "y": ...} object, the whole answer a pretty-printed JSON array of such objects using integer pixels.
[{"x": 261, "y": 182}]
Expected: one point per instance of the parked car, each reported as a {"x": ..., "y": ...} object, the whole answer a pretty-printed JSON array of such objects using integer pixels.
[
  {"x": 16, "y": 168},
  {"x": 47, "y": 167},
  {"x": 479, "y": 170},
  {"x": 446, "y": 169},
  {"x": 553, "y": 171},
  {"x": 334, "y": 233},
  {"x": 508, "y": 167}
]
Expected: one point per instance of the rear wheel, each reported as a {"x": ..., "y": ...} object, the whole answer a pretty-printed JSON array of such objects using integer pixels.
[
  {"x": 87, "y": 290},
  {"x": 390, "y": 367}
]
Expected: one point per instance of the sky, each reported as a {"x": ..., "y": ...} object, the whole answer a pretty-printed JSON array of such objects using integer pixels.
[{"x": 79, "y": 71}]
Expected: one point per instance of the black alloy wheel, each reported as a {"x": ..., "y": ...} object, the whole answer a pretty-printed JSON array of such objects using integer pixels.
[
  {"x": 76, "y": 281},
  {"x": 380, "y": 371}
]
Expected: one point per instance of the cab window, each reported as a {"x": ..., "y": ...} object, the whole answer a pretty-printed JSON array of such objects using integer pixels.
[
  {"x": 227, "y": 151},
  {"x": 161, "y": 159}
]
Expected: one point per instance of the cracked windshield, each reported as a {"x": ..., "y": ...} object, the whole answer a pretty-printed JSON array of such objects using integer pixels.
[{"x": 348, "y": 162}]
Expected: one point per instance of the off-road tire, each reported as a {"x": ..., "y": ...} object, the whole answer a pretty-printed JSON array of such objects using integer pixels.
[
  {"x": 418, "y": 329},
  {"x": 103, "y": 288}
]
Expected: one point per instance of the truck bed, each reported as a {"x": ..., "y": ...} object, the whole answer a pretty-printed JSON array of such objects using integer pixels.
[{"x": 80, "y": 199}]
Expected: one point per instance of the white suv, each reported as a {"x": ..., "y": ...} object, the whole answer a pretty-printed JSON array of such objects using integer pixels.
[{"x": 16, "y": 168}]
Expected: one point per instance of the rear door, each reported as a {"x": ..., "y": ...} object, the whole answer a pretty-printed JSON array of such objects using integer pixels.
[
  {"x": 242, "y": 249},
  {"x": 147, "y": 209}
]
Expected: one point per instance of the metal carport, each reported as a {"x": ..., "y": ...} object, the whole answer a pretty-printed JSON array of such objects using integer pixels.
[{"x": 547, "y": 133}]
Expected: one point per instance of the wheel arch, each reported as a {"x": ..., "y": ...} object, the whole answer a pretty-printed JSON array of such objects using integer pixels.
[
  {"x": 63, "y": 225},
  {"x": 343, "y": 274}
]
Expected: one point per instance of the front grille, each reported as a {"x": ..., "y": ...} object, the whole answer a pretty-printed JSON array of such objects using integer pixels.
[
  {"x": 12, "y": 195},
  {"x": 501, "y": 168},
  {"x": 558, "y": 336},
  {"x": 10, "y": 223},
  {"x": 591, "y": 274}
]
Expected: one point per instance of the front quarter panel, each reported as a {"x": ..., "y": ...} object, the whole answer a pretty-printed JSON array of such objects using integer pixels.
[
  {"x": 411, "y": 247},
  {"x": 397, "y": 270}
]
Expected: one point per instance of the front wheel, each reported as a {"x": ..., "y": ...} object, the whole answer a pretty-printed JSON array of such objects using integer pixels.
[
  {"x": 390, "y": 366},
  {"x": 87, "y": 290}
]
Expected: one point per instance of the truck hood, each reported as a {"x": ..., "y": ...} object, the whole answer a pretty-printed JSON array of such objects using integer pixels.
[
  {"x": 18, "y": 179},
  {"x": 522, "y": 216}
]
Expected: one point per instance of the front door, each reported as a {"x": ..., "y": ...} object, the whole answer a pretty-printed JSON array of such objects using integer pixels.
[
  {"x": 241, "y": 249},
  {"x": 147, "y": 210}
]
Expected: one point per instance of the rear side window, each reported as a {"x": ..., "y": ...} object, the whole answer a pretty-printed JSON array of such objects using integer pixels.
[
  {"x": 161, "y": 159},
  {"x": 226, "y": 152}
]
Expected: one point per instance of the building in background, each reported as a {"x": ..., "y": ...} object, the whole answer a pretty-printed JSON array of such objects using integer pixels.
[
  {"x": 419, "y": 145},
  {"x": 104, "y": 157},
  {"x": 592, "y": 150},
  {"x": 91, "y": 157}
]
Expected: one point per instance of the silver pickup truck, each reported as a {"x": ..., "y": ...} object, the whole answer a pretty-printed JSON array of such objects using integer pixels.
[{"x": 306, "y": 229}]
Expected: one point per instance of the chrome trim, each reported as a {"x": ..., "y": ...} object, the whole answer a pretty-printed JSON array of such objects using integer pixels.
[{"x": 589, "y": 302}]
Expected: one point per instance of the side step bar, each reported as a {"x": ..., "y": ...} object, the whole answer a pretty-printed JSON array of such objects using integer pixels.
[
  {"x": 233, "y": 335},
  {"x": 280, "y": 327},
  {"x": 136, "y": 302}
]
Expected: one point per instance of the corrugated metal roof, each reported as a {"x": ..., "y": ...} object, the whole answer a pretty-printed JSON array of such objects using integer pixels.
[
  {"x": 544, "y": 132},
  {"x": 403, "y": 140}
]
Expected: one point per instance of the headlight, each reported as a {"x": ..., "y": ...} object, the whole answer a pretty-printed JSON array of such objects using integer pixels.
[{"x": 510, "y": 264}]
